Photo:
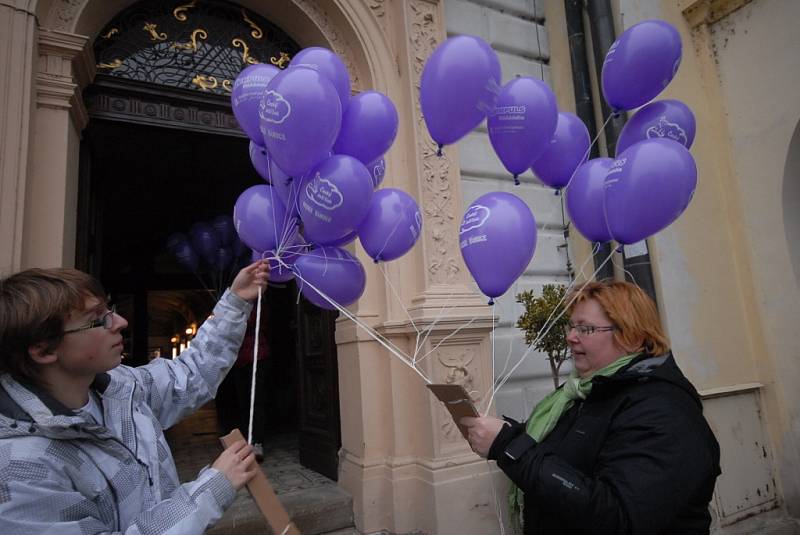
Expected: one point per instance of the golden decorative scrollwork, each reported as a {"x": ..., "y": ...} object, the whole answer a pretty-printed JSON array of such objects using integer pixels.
[
  {"x": 227, "y": 86},
  {"x": 246, "y": 57},
  {"x": 180, "y": 11},
  {"x": 281, "y": 61},
  {"x": 199, "y": 32},
  {"x": 205, "y": 82},
  {"x": 154, "y": 35},
  {"x": 256, "y": 33},
  {"x": 111, "y": 32},
  {"x": 113, "y": 65}
]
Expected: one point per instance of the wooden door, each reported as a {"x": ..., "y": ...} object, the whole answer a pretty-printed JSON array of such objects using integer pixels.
[{"x": 319, "y": 434}]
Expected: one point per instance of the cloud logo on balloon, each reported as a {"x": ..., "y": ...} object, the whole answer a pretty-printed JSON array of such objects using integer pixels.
[
  {"x": 378, "y": 170},
  {"x": 274, "y": 108},
  {"x": 324, "y": 193},
  {"x": 474, "y": 218},
  {"x": 669, "y": 130}
]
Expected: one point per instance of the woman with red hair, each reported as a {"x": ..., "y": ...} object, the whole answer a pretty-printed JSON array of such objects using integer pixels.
[{"x": 621, "y": 447}]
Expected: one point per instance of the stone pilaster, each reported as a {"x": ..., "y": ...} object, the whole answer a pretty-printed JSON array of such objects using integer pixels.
[
  {"x": 17, "y": 42},
  {"x": 64, "y": 67},
  {"x": 402, "y": 458}
]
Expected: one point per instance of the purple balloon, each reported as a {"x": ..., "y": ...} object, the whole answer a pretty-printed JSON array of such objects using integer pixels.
[
  {"x": 349, "y": 238},
  {"x": 585, "y": 199},
  {"x": 223, "y": 225},
  {"x": 567, "y": 150},
  {"x": 259, "y": 218},
  {"x": 670, "y": 119},
  {"x": 205, "y": 241},
  {"x": 459, "y": 87},
  {"x": 498, "y": 237},
  {"x": 640, "y": 64},
  {"x": 522, "y": 123},
  {"x": 333, "y": 271},
  {"x": 246, "y": 97},
  {"x": 334, "y": 198},
  {"x": 288, "y": 254},
  {"x": 647, "y": 188},
  {"x": 392, "y": 226},
  {"x": 238, "y": 247},
  {"x": 377, "y": 170},
  {"x": 329, "y": 65},
  {"x": 186, "y": 256},
  {"x": 300, "y": 118},
  {"x": 223, "y": 258},
  {"x": 369, "y": 126},
  {"x": 260, "y": 160},
  {"x": 174, "y": 240}
]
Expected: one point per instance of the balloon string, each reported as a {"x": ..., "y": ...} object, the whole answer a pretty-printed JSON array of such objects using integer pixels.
[
  {"x": 493, "y": 335},
  {"x": 388, "y": 238},
  {"x": 429, "y": 329},
  {"x": 586, "y": 154},
  {"x": 255, "y": 366},
  {"x": 549, "y": 325},
  {"x": 394, "y": 350},
  {"x": 497, "y": 507},
  {"x": 382, "y": 267},
  {"x": 443, "y": 340}
]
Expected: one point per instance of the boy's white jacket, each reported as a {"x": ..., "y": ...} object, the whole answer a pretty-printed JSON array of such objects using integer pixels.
[{"x": 61, "y": 474}]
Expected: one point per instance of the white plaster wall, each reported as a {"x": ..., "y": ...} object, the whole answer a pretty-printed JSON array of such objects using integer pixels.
[{"x": 516, "y": 31}]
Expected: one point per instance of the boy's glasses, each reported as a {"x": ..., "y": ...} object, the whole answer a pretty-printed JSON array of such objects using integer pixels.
[{"x": 106, "y": 321}]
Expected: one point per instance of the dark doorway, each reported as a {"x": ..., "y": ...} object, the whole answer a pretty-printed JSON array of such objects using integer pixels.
[{"x": 140, "y": 183}]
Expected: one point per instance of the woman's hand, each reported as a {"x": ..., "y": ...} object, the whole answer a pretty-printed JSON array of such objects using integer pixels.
[
  {"x": 237, "y": 463},
  {"x": 250, "y": 279},
  {"x": 482, "y": 432}
]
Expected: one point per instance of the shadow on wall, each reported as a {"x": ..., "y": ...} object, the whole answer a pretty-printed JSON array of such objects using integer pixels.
[{"x": 791, "y": 202}]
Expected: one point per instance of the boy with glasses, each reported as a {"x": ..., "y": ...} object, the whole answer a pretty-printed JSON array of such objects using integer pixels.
[{"x": 82, "y": 448}]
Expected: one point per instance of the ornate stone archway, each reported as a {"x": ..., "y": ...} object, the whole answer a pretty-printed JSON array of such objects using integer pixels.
[{"x": 406, "y": 469}]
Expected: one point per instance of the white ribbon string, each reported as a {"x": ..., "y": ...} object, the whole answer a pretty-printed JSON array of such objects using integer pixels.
[{"x": 255, "y": 366}]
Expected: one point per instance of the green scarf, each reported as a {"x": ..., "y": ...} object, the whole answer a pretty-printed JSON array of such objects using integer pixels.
[{"x": 547, "y": 412}]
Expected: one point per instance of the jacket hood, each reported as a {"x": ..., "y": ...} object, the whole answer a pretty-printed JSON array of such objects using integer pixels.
[
  {"x": 647, "y": 367},
  {"x": 26, "y": 409}
]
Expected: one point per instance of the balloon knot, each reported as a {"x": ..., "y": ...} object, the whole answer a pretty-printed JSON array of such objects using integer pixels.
[
  {"x": 616, "y": 114},
  {"x": 557, "y": 193},
  {"x": 439, "y": 152},
  {"x": 516, "y": 180},
  {"x": 491, "y": 301},
  {"x": 620, "y": 248}
]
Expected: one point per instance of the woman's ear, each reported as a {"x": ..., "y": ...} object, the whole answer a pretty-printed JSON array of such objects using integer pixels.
[{"x": 42, "y": 353}]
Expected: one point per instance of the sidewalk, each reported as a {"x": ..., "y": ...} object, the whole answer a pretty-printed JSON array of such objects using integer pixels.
[{"x": 315, "y": 503}]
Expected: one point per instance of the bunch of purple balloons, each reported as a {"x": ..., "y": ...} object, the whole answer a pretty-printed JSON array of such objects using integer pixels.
[
  {"x": 653, "y": 177},
  {"x": 321, "y": 152},
  {"x": 647, "y": 186},
  {"x": 210, "y": 249}
]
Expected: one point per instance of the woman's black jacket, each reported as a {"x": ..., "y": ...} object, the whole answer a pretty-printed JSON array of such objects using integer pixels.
[{"x": 636, "y": 457}]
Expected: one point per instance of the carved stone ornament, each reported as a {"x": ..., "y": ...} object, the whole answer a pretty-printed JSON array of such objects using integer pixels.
[
  {"x": 328, "y": 29},
  {"x": 457, "y": 368},
  {"x": 438, "y": 203},
  {"x": 63, "y": 14}
]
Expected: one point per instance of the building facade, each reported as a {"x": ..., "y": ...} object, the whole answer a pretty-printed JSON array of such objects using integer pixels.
[{"x": 726, "y": 274}]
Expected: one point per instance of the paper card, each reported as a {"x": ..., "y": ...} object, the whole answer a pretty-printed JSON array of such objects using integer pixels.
[
  {"x": 264, "y": 496},
  {"x": 457, "y": 401}
]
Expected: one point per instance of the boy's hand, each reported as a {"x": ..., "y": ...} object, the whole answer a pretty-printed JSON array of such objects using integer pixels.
[
  {"x": 237, "y": 463},
  {"x": 250, "y": 279}
]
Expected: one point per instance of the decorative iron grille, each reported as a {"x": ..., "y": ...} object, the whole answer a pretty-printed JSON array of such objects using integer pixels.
[{"x": 201, "y": 44}]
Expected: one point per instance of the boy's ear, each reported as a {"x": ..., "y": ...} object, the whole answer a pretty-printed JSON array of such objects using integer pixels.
[{"x": 42, "y": 353}]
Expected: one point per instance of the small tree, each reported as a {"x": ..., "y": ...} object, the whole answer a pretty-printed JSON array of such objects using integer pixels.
[{"x": 533, "y": 322}]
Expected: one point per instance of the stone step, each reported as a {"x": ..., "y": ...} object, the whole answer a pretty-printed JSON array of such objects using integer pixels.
[{"x": 315, "y": 511}]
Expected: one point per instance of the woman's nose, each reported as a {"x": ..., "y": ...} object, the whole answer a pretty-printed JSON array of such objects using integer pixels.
[{"x": 118, "y": 323}]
